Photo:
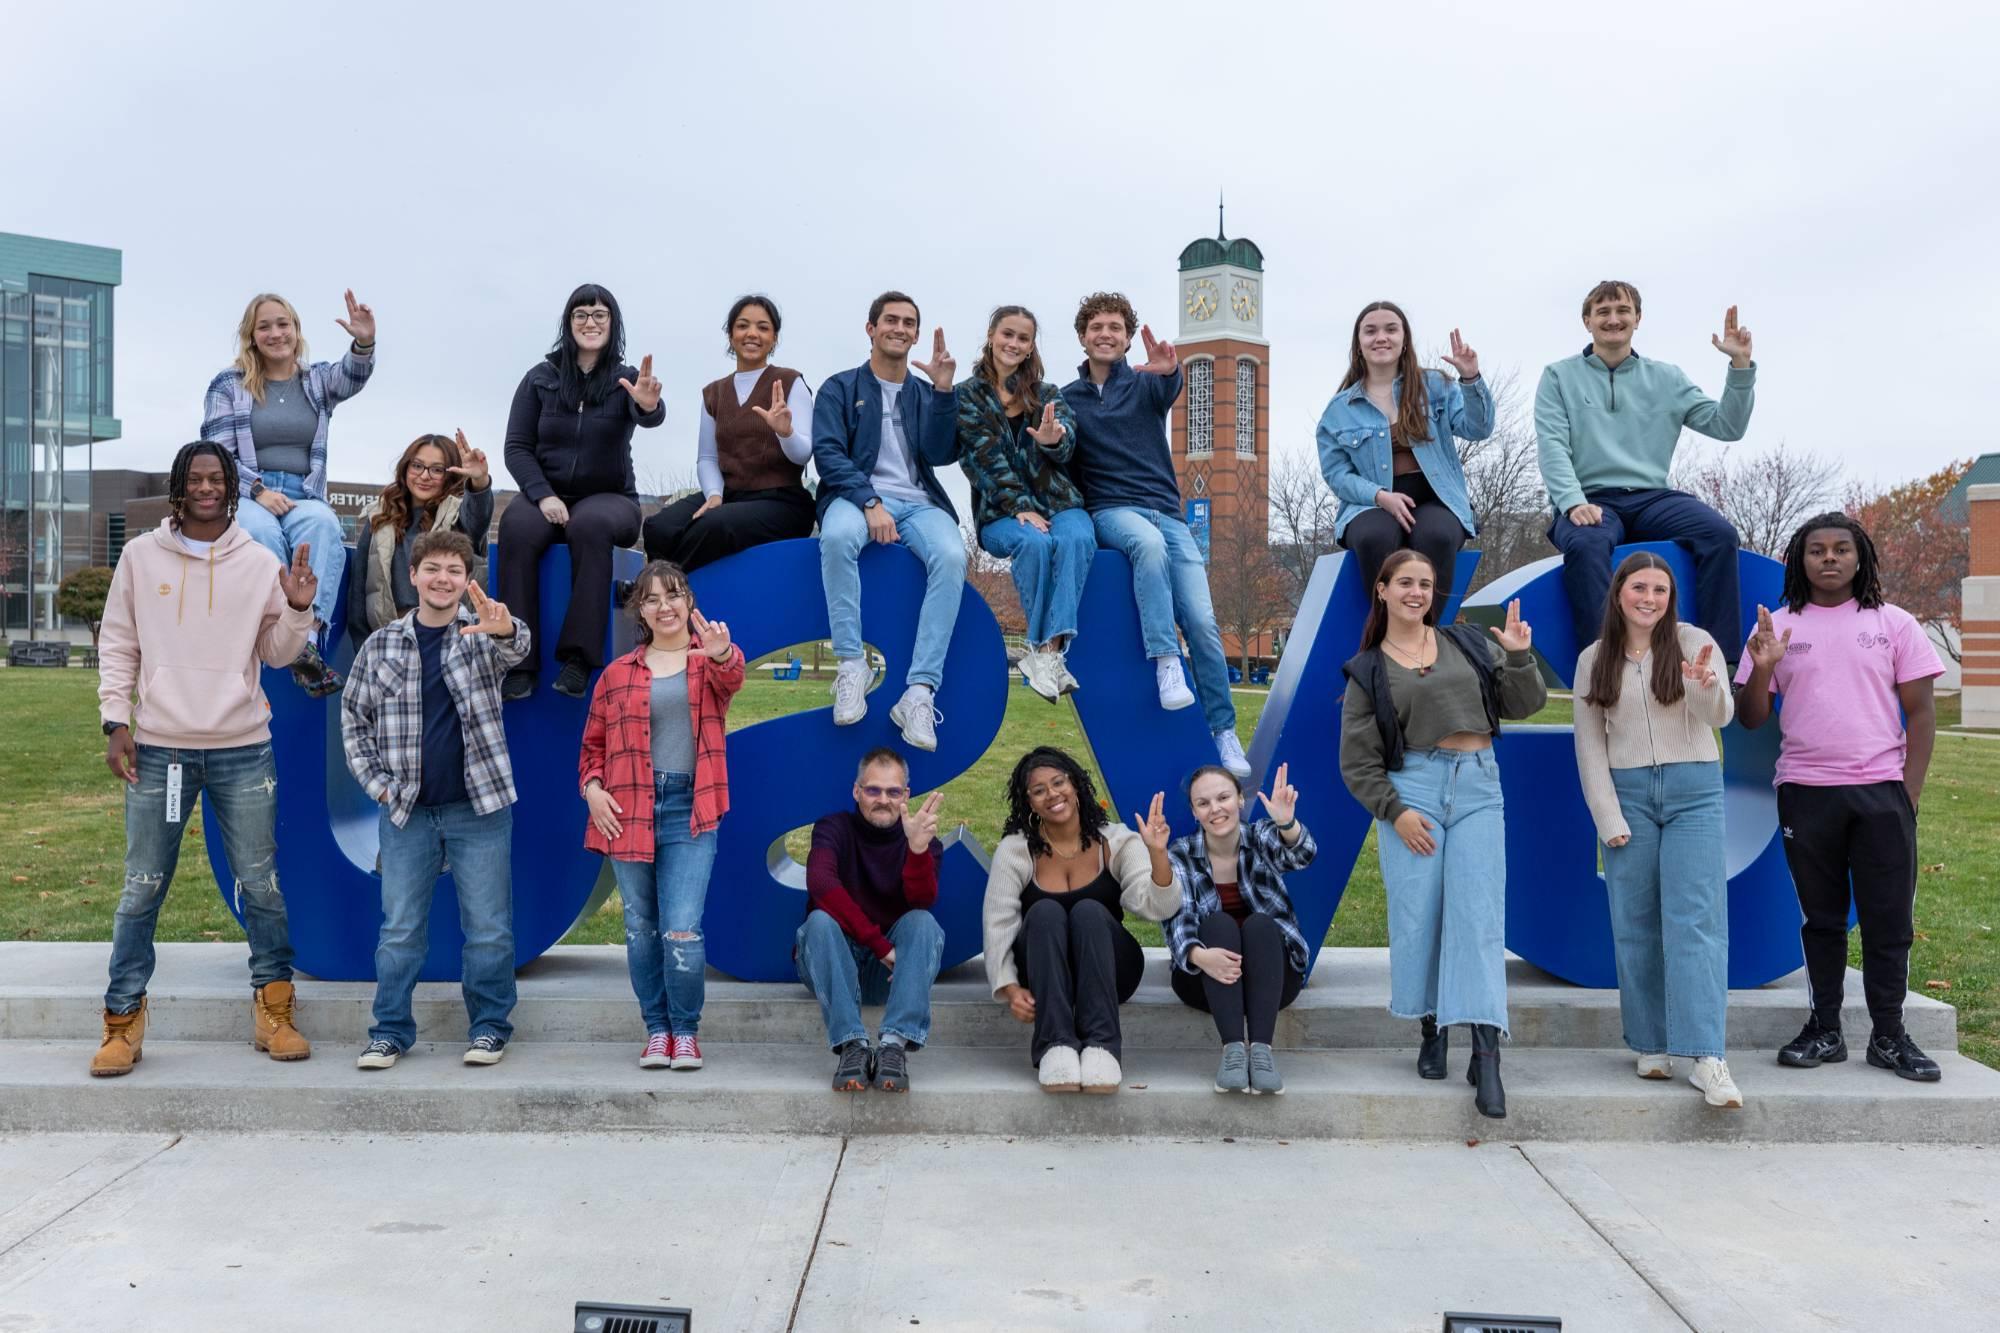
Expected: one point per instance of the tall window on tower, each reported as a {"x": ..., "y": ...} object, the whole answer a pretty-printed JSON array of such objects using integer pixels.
[
  {"x": 1246, "y": 407},
  {"x": 1200, "y": 407}
]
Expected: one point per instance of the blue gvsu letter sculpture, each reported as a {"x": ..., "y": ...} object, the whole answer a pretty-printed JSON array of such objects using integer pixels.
[{"x": 788, "y": 771}]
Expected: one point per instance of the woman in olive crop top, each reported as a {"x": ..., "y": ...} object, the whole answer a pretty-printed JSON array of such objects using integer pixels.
[{"x": 1416, "y": 747}]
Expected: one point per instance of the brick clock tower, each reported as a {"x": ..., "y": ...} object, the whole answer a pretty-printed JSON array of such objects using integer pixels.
[{"x": 1221, "y": 431}]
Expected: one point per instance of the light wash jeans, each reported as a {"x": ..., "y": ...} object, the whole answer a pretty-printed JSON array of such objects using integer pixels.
[
  {"x": 309, "y": 520},
  {"x": 1669, "y": 889},
  {"x": 1171, "y": 584},
  {"x": 933, "y": 537},
  {"x": 482, "y": 869},
  {"x": 843, "y": 974},
  {"x": 241, "y": 789},
  {"x": 663, "y": 898},
  {"x": 1049, "y": 568},
  {"x": 1448, "y": 910}
]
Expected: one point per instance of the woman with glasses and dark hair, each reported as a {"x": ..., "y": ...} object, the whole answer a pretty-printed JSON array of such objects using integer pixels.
[
  {"x": 442, "y": 485},
  {"x": 756, "y": 435},
  {"x": 1057, "y": 951},
  {"x": 569, "y": 449}
]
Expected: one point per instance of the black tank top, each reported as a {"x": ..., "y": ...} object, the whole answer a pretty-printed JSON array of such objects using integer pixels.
[{"x": 1104, "y": 889}]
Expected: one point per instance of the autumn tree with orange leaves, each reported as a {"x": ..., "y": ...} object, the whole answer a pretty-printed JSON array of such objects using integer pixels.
[{"x": 1924, "y": 547}]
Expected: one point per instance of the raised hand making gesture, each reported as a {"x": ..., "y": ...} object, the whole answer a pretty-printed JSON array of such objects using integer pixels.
[
  {"x": 1153, "y": 827},
  {"x": 714, "y": 636},
  {"x": 1734, "y": 341},
  {"x": 1050, "y": 432},
  {"x": 1518, "y": 636},
  {"x": 1766, "y": 646},
  {"x": 1162, "y": 357},
  {"x": 1462, "y": 358},
  {"x": 360, "y": 321},
  {"x": 920, "y": 824},
  {"x": 297, "y": 580},
  {"x": 646, "y": 393},
  {"x": 1699, "y": 672},
  {"x": 942, "y": 365},
  {"x": 778, "y": 416},
  {"x": 1282, "y": 801},
  {"x": 493, "y": 617},
  {"x": 471, "y": 465}
]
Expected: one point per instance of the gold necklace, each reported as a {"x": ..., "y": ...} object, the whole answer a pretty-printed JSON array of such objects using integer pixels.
[{"x": 1417, "y": 662}]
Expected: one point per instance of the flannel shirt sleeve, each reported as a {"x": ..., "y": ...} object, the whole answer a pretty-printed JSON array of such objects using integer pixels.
[{"x": 359, "y": 707}]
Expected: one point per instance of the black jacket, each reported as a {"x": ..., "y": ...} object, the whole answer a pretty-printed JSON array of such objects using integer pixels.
[
  {"x": 570, "y": 451},
  {"x": 1365, "y": 670}
]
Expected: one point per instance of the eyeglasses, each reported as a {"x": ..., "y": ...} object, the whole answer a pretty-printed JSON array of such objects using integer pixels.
[
  {"x": 428, "y": 469},
  {"x": 590, "y": 317},
  {"x": 885, "y": 793},
  {"x": 653, "y": 601}
]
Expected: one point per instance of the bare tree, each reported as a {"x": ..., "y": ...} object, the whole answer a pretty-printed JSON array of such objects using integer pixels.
[
  {"x": 668, "y": 484},
  {"x": 993, "y": 579},
  {"x": 1766, "y": 495},
  {"x": 1248, "y": 588},
  {"x": 1503, "y": 482},
  {"x": 1302, "y": 514}
]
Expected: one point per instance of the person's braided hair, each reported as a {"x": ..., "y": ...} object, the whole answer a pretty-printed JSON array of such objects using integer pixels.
[
  {"x": 1867, "y": 568},
  {"x": 177, "y": 479},
  {"x": 1021, "y": 817}
]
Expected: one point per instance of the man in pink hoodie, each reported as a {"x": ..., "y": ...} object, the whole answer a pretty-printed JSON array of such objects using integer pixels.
[{"x": 194, "y": 606}]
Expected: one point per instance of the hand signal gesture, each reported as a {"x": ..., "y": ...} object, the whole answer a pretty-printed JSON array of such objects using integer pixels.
[
  {"x": 1153, "y": 827},
  {"x": 646, "y": 393},
  {"x": 471, "y": 465},
  {"x": 920, "y": 824},
  {"x": 1162, "y": 358},
  {"x": 778, "y": 416},
  {"x": 1699, "y": 672},
  {"x": 1766, "y": 647},
  {"x": 493, "y": 617},
  {"x": 714, "y": 636},
  {"x": 297, "y": 580},
  {"x": 360, "y": 321},
  {"x": 1734, "y": 341},
  {"x": 1282, "y": 801},
  {"x": 1462, "y": 358},
  {"x": 942, "y": 365},
  {"x": 1050, "y": 431},
  {"x": 1518, "y": 636}
]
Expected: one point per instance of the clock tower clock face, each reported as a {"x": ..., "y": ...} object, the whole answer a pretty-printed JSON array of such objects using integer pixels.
[
  {"x": 1243, "y": 299},
  {"x": 1203, "y": 299}
]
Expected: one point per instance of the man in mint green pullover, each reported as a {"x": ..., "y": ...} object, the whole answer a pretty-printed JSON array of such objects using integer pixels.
[{"x": 1606, "y": 423}]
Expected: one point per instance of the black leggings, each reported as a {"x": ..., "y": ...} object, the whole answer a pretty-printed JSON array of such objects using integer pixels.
[
  {"x": 1080, "y": 964},
  {"x": 744, "y": 519},
  {"x": 1268, "y": 983},
  {"x": 1435, "y": 533},
  {"x": 598, "y": 524}
]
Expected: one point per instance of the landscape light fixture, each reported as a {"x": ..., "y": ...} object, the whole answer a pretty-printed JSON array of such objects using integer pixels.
[
  {"x": 603, "y": 1317},
  {"x": 1497, "y": 1323}
]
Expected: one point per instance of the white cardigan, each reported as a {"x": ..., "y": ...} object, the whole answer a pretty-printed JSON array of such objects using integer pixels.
[
  {"x": 1640, "y": 731},
  {"x": 1013, "y": 870}
]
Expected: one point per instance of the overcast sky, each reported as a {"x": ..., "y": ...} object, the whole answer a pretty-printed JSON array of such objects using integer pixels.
[{"x": 1829, "y": 168}]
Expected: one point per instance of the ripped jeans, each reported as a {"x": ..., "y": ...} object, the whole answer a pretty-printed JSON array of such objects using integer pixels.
[
  {"x": 239, "y": 791},
  {"x": 664, "y": 948}
]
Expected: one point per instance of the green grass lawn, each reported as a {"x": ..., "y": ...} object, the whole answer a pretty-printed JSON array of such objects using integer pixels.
[{"x": 62, "y": 839}]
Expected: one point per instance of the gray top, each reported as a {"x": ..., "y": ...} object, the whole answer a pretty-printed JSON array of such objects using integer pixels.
[
  {"x": 673, "y": 725},
  {"x": 282, "y": 427},
  {"x": 895, "y": 475}
]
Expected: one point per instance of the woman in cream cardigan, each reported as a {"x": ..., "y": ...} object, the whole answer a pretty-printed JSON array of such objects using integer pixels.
[
  {"x": 1648, "y": 701},
  {"x": 1057, "y": 952}
]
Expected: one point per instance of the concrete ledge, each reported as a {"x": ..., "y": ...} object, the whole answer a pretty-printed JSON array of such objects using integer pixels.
[{"x": 55, "y": 992}]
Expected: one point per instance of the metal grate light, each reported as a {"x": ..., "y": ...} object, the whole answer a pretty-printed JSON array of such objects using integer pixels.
[
  {"x": 1500, "y": 1323},
  {"x": 600, "y": 1317}
]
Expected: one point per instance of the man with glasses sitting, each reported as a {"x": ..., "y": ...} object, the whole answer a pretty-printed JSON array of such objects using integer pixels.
[{"x": 868, "y": 937}]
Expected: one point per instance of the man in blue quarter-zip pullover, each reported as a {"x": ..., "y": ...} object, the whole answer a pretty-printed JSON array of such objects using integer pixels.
[{"x": 1606, "y": 423}]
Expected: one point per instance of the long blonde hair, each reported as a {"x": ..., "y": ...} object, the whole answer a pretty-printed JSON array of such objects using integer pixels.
[{"x": 249, "y": 360}]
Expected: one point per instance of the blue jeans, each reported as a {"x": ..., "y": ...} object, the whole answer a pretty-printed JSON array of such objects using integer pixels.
[
  {"x": 1448, "y": 910},
  {"x": 663, "y": 899},
  {"x": 1049, "y": 568},
  {"x": 309, "y": 520},
  {"x": 843, "y": 974},
  {"x": 1634, "y": 515},
  {"x": 482, "y": 868},
  {"x": 933, "y": 537},
  {"x": 1171, "y": 584},
  {"x": 1669, "y": 890},
  {"x": 240, "y": 785}
]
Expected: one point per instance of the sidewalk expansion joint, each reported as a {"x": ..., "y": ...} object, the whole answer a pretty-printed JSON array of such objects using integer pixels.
[
  {"x": 819, "y": 1228},
  {"x": 1624, "y": 1258},
  {"x": 95, "y": 1190}
]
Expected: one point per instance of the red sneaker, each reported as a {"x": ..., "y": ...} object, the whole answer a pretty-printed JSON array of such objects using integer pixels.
[
  {"x": 659, "y": 1052},
  {"x": 686, "y": 1052}
]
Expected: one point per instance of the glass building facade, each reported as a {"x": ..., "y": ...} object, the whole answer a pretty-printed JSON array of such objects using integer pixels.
[{"x": 56, "y": 402}]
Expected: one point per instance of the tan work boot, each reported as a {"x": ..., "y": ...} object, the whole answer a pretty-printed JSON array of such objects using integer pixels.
[
  {"x": 271, "y": 1007},
  {"x": 124, "y": 1042}
]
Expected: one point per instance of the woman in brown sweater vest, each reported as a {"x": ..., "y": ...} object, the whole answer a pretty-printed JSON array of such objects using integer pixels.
[{"x": 756, "y": 435}]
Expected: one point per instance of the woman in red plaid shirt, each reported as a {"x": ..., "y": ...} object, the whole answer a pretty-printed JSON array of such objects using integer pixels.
[{"x": 655, "y": 774}]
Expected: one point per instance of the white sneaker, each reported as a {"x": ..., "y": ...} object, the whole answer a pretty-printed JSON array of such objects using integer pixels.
[
  {"x": 1174, "y": 692},
  {"x": 914, "y": 714},
  {"x": 1069, "y": 682},
  {"x": 1099, "y": 1070},
  {"x": 1230, "y": 751},
  {"x": 1717, "y": 1088},
  {"x": 1060, "y": 1070},
  {"x": 1042, "y": 670},
  {"x": 850, "y": 691},
  {"x": 1656, "y": 1066}
]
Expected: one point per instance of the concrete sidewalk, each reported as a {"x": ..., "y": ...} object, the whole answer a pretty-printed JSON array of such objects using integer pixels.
[{"x": 227, "y": 1232}]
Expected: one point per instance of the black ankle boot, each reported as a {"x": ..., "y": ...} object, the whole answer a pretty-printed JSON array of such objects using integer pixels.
[
  {"x": 1483, "y": 1072},
  {"x": 1431, "y": 1055}
]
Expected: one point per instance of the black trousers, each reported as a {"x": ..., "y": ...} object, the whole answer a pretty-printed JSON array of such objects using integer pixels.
[
  {"x": 1267, "y": 985},
  {"x": 1080, "y": 964},
  {"x": 1435, "y": 533},
  {"x": 597, "y": 525},
  {"x": 1854, "y": 843},
  {"x": 744, "y": 519}
]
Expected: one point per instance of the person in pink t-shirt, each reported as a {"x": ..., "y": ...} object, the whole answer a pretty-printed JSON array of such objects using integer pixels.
[{"x": 1854, "y": 674}]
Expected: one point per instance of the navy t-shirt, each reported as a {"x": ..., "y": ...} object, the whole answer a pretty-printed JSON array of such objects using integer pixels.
[{"x": 443, "y": 781}]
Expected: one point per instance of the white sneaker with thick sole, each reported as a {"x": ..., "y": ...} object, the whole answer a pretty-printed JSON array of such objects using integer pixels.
[
  {"x": 1656, "y": 1066},
  {"x": 917, "y": 718},
  {"x": 1069, "y": 682},
  {"x": 1042, "y": 671},
  {"x": 1099, "y": 1070},
  {"x": 1230, "y": 751},
  {"x": 850, "y": 691},
  {"x": 1174, "y": 691},
  {"x": 1060, "y": 1070},
  {"x": 1717, "y": 1088}
]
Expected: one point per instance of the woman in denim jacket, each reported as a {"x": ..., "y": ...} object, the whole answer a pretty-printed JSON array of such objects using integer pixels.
[{"x": 1387, "y": 450}]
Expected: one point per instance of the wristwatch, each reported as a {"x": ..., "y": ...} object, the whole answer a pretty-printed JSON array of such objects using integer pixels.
[
  {"x": 256, "y": 489},
  {"x": 110, "y": 727},
  {"x": 871, "y": 502}
]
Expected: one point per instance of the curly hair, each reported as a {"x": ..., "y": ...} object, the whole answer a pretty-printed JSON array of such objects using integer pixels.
[
  {"x": 1867, "y": 568},
  {"x": 394, "y": 507},
  {"x": 1021, "y": 817},
  {"x": 177, "y": 479},
  {"x": 1107, "y": 303}
]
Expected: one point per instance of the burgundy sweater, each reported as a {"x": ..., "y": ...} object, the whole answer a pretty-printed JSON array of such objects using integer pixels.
[{"x": 865, "y": 878}]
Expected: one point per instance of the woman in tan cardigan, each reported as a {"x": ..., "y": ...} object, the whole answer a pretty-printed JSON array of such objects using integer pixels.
[
  {"x": 1648, "y": 701},
  {"x": 1057, "y": 953}
]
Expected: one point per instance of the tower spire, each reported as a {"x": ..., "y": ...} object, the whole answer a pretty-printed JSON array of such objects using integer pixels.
[{"x": 1220, "y": 235}]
